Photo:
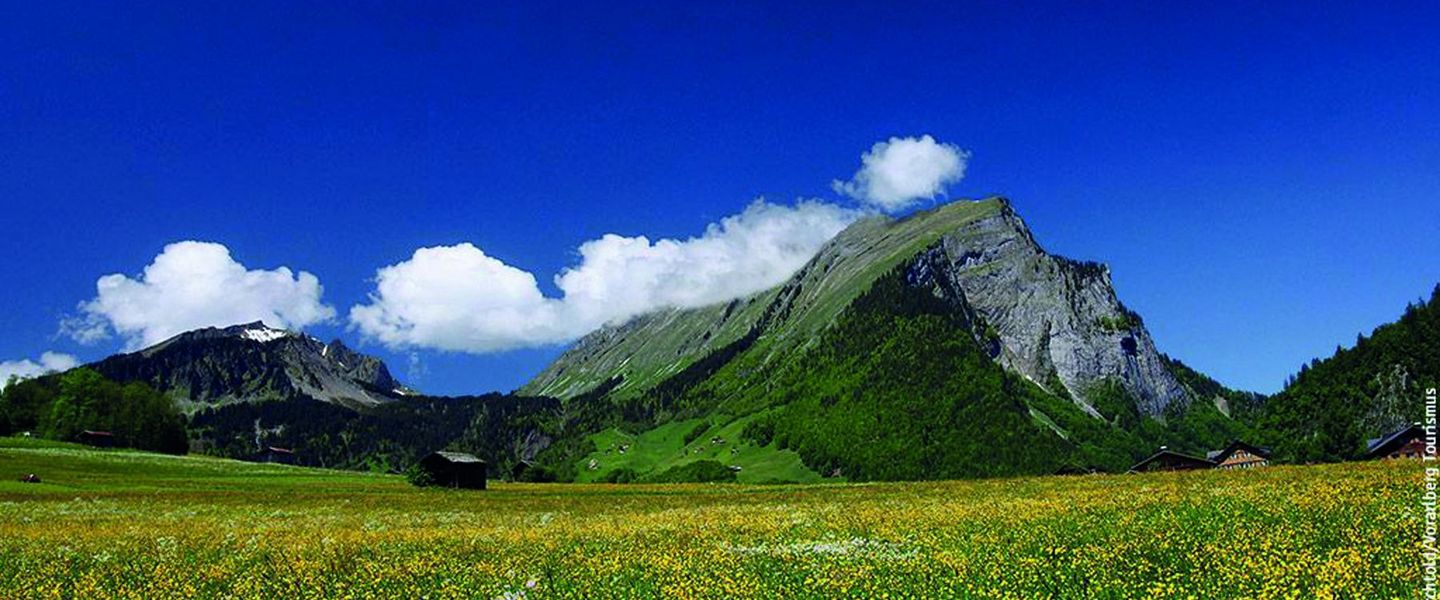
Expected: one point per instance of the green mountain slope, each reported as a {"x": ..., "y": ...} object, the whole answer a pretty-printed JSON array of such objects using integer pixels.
[
  {"x": 648, "y": 349},
  {"x": 945, "y": 344}
]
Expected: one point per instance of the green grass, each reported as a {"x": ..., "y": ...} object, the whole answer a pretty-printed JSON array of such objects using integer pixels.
[
  {"x": 662, "y": 448},
  {"x": 67, "y": 468},
  {"x": 122, "y": 524},
  {"x": 651, "y": 348},
  {"x": 1045, "y": 420}
]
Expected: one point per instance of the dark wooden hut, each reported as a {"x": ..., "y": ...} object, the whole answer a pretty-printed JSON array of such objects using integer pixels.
[{"x": 455, "y": 469}]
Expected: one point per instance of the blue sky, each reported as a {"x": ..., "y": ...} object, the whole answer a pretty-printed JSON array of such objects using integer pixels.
[{"x": 1261, "y": 179}]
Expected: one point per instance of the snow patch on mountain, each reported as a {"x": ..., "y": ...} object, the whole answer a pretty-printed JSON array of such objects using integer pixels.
[{"x": 263, "y": 334}]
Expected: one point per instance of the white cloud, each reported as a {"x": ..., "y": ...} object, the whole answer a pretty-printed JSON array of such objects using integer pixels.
[
  {"x": 742, "y": 254},
  {"x": 459, "y": 298},
  {"x": 50, "y": 362},
  {"x": 191, "y": 285},
  {"x": 895, "y": 174}
]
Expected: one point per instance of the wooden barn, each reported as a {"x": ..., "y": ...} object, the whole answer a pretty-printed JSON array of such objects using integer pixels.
[
  {"x": 455, "y": 469},
  {"x": 1240, "y": 455},
  {"x": 1408, "y": 442},
  {"x": 98, "y": 439},
  {"x": 273, "y": 454},
  {"x": 1169, "y": 460}
]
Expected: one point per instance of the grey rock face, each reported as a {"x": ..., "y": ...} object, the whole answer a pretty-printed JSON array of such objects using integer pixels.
[
  {"x": 252, "y": 362},
  {"x": 1056, "y": 321}
]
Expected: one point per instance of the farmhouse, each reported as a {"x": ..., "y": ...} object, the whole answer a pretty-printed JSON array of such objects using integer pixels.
[
  {"x": 455, "y": 469},
  {"x": 98, "y": 439},
  {"x": 1169, "y": 460},
  {"x": 1240, "y": 455},
  {"x": 1408, "y": 442}
]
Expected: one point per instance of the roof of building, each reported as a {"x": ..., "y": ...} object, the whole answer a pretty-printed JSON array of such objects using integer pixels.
[
  {"x": 1383, "y": 444},
  {"x": 1166, "y": 452},
  {"x": 99, "y": 433},
  {"x": 1235, "y": 446},
  {"x": 278, "y": 450},
  {"x": 458, "y": 457}
]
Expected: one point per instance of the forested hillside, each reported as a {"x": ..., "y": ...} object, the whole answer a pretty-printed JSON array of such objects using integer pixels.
[
  {"x": 387, "y": 437},
  {"x": 62, "y": 406},
  {"x": 1328, "y": 410}
]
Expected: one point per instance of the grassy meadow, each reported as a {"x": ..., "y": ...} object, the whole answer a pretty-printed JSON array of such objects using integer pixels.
[
  {"x": 122, "y": 524},
  {"x": 666, "y": 447}
]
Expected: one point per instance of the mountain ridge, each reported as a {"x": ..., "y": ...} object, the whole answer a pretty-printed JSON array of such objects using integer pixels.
[{"x": 253, "y": 362}]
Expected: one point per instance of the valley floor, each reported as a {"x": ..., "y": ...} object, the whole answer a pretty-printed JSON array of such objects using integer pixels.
[{"x": 120, "y": 524}]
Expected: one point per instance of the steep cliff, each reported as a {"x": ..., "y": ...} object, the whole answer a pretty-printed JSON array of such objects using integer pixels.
[{"x": 1057, "y": 321}]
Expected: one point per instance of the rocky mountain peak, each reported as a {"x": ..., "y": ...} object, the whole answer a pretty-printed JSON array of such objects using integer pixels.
[
  {"x": 1057, "y": 321},
  {"x": 254, "y": 362}
]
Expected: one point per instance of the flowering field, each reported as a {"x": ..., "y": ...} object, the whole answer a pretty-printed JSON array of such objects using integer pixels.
[{"x": 117, "y": 524}]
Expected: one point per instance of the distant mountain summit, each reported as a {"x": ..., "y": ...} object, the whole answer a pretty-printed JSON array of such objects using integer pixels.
[
  {"x": 246, "y": 389},
  {"x": 253, "y": 363}
]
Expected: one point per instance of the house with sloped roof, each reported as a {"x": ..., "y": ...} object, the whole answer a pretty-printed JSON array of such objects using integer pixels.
[
  {"x": 1239, "y": 455},
  {"x": 1170, "y": 460},
  {"x": 1406, "y": 442}
]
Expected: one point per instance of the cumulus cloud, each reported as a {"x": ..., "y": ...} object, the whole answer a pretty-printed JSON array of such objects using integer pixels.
[
  {"x": 459, "y": 298},
  {"x": 896, "y": 173},
  {"x": 50, "y": 362},
  {"x": 191, "y": 285},
  {"x": 740, "y": 255}
]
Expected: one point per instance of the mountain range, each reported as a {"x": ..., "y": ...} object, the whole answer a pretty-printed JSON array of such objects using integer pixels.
[{"x": 944, "y": 344}]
